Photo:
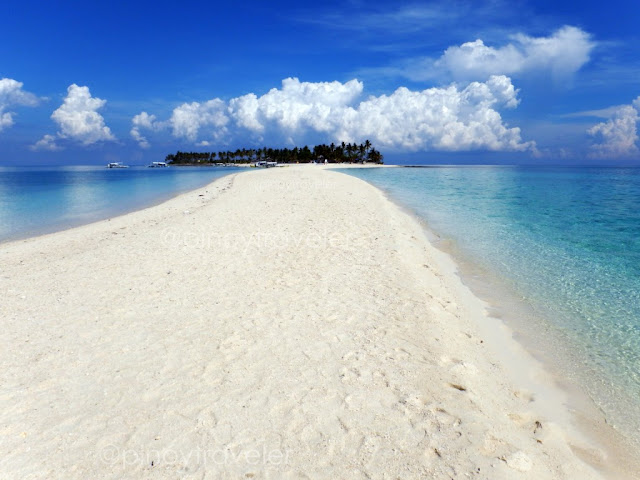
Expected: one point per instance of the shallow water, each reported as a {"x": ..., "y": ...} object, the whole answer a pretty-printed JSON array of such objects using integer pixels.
[
  {"x": 564, "y": 243},
  {"x": 36, "y": 200}
]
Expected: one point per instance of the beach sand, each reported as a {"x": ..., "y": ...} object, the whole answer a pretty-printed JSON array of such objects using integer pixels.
[{"x": 282, "y": 323}]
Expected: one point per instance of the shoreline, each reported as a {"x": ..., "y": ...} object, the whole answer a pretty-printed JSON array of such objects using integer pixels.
[
  {"x": 445, "y": 409},
  {"x": 529, "y": 361},
  {"x": 95, "y": 217},
  {"x": 552, "y": 352},
  {"x": 536, "y": 366}
]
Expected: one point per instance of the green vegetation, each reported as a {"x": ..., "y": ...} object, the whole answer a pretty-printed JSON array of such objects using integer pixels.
[{"x": 352, "y": 153}]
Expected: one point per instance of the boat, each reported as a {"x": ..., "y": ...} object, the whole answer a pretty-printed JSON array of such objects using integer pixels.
[
  {"x": 116, "y": 165},
  {"x": 266, "y": 164},
  {"x": 158, "y": 165}
]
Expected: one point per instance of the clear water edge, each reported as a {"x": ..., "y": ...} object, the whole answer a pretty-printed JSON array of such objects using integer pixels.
[
  {"x": 502, "y": 304},
  {"x": 556, "y": 354},
  {"x": 30, "y": 207},
  {"x": 593, "y": 396}
]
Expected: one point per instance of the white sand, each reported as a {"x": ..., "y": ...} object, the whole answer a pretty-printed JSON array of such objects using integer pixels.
[{"x": 287, "y": 323}]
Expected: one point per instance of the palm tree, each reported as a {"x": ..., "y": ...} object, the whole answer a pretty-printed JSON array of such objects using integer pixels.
[
  {"x": 351, "y": 149},
  {"x": 375, "y": 156}
]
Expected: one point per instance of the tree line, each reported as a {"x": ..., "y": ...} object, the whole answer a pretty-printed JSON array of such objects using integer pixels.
[{"x": 343, "y": 152}]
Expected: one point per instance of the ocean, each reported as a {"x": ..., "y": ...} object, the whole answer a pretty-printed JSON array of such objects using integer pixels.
[
  {"x": 38, "y": 200},
  {"x": 561, "y": 247}
]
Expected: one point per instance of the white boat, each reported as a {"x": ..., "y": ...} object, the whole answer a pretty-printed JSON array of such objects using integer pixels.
[
  {"x": 158, "y": 165},
  {"x": 116, "y": 165},
  {"x": 266, "y": 164}
]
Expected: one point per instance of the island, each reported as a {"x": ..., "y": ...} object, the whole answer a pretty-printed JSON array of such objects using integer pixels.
[{"x": 341, "y": 153}]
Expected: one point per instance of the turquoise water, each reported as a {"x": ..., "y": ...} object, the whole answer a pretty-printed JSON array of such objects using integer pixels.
[
  {"x": 36, "y": 200},
  {"x": 563, "y": 241}
]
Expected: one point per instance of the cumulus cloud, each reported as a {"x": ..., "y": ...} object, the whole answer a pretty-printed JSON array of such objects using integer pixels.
[
  {"x": 617, "y": 137},
  {"x": 561, "y": 54},
  {"x": 48, "y": 142},
  {"x": 450, "y": 118},
  {"x": 189, "y": 118},
  {"x": 78, "y": 120},
  {"x": 12, "y": 94},
  {"x": 78, "y": 117},
  {"x": 296, "y": 107},
  {"x": 143, "y": 121}
]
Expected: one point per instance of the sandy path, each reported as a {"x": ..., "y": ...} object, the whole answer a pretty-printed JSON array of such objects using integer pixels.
[{"x": 288, "y": 323}]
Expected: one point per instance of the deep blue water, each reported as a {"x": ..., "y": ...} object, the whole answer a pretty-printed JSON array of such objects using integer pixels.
[
  {"x": 35, "y": 200},
  {"x": 563, "y": 241}
]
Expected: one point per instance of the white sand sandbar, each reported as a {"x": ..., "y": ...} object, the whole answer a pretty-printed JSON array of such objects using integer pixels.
[{"x": 284, "y": 323}]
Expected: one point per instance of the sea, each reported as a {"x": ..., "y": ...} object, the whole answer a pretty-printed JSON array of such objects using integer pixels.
[
  {"x": 39, "y": 200},
  {"x": 556, "y": 250}
]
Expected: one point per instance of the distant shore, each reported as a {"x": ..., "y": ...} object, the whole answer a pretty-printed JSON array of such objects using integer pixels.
[
  {"x": 276, "y": 323},
  {"x": 311, "y": 164}
]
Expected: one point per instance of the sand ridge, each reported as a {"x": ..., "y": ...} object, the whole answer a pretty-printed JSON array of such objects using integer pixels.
[{"x": 284, "y": 323}]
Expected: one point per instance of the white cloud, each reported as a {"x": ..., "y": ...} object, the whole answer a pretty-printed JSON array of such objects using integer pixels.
[
  {"x": 6, "y": 120},
  {"x": 617, "y": 137},
  {"x": 296, "y": 107},
  {"x": 78, "y": 120},
  {"x": 450, "y": 118},
  {"x": 146, "y": 121},
  {"x": 12, "y": 94},
  {"x": 48, "y": 142},
  {"x": 561, "y": 54},
  {"x": 187, "y": 119},
  {"x": 438, "y": 119}
]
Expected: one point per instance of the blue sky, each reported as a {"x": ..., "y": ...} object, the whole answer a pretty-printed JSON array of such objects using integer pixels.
[{"x": 466, "y": 81}]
